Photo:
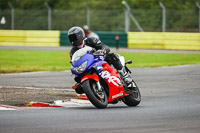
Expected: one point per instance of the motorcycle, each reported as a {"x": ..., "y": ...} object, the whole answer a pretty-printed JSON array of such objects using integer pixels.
[{"x": 100, "y": 81}]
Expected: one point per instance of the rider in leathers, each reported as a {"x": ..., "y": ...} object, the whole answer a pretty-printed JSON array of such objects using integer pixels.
[{"x": 77, "y": 39}]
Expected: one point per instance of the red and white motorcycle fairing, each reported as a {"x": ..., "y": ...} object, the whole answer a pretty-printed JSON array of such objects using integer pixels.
[{"x": 112, "y": 77}]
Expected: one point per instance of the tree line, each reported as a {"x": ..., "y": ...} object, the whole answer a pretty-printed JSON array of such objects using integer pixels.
[
  {"x": 100, "y": 4},
  {"x": 105, "y": 15}
]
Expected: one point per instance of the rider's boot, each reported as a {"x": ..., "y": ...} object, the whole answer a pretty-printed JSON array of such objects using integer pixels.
[{"x": 126, "y": 76}]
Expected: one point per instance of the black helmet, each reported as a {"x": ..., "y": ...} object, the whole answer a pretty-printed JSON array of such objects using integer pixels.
[{"x": 76, "y": 35}]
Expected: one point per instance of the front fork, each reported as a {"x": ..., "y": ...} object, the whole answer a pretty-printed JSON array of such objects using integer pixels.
[{"x": 98, "y": 86}]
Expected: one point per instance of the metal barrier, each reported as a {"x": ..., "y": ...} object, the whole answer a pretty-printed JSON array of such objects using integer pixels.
[
  {"x": 144, "y": 40},
  {"x": 151, "y": 20}
]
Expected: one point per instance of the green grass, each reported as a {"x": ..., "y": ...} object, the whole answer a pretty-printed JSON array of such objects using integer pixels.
[
  {"x": 161, "y": 59},
  {"x": 14, "y": 61}
]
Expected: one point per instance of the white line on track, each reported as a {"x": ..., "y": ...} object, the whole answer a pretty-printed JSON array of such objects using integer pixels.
[
  {"x": 73, "y": 103},
  {"x": 65, "y": 104},
  {"x": 5, "y": 107},
  {"x": 19, "y": 87},
  {"x": 38, "y": 72}
]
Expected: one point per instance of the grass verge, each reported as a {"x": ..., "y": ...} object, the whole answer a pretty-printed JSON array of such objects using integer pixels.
[{"x": 15, "y": 61}]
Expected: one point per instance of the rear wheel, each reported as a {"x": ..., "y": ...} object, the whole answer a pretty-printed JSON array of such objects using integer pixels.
[
  {"x": 134, "y": 98},
  {"x": 97, "y": 97}
]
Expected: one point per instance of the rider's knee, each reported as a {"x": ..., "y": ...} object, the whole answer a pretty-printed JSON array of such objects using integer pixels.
[{"x": 114, "y": 56}]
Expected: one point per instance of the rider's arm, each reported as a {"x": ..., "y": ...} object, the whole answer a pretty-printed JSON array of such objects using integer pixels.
[{"x": 97, "y": 44}]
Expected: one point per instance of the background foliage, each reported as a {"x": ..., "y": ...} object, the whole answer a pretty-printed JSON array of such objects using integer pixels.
[{"x": 106, "y": 15}]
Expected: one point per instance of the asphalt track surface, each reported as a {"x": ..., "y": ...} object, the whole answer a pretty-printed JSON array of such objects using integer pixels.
[{"x": 170, "y": 104}]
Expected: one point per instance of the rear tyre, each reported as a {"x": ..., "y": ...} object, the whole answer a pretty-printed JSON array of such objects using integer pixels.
[
  {"x": 134, "y": 98},
  {"x": 97, "y": 97}
]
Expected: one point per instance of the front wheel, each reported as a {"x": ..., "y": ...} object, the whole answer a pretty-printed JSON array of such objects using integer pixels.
[
  {"x": 134, "y": 98},
  {"x": 97, "y": 97}
]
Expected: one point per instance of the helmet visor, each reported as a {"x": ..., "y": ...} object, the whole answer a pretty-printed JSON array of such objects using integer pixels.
[{"x": 73, "y": 38}]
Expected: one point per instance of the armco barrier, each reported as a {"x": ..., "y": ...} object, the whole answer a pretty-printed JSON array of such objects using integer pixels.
[
  {"x": 29, "y": 38},
  {"x": 145, "y": 40},
  {"x": 164, "y": 40},
  {"x": 106, "y": 37}
]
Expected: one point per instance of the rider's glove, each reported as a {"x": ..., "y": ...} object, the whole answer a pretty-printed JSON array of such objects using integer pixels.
[
  {"x": 100, "y": 52},
  {"x": 92, "y": 51}
]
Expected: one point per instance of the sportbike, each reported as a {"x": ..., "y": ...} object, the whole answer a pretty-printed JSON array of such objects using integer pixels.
[{"x": 100, "y": 81}]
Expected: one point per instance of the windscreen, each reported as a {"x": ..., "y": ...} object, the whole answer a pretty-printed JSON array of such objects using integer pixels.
[{"x": 80, "y": 53}]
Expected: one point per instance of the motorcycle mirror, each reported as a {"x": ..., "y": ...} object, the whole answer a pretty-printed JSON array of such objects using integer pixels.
[{"x": 129, "y": 62}]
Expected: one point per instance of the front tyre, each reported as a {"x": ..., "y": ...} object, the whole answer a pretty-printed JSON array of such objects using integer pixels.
[
  {"x": 97, "y": 97},
  {"x": 134, "y": 98}
]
